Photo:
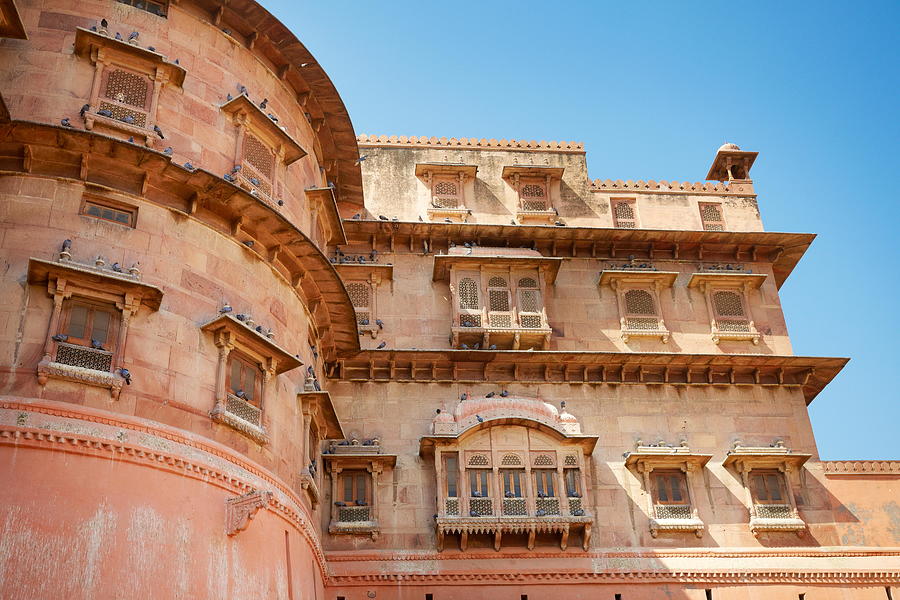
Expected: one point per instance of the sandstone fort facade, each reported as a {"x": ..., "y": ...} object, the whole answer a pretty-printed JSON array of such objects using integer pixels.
[{"x": 248, "y": 353}]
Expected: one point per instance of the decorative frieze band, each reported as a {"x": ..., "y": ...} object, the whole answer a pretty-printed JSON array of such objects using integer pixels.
[
  {"x": 861, "y": 467},
  {"x": 718, "y": 187},
  {"x": 468, "y": 143}
]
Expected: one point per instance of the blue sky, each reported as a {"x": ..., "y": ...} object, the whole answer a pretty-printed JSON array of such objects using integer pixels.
[{"x": 652, "y": 89}]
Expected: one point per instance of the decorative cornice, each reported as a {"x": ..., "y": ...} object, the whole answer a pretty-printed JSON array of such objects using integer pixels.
[
  {"x": 741, "y": 188},
  {"x": 811, "y": 374},
  {"x": 881, "y": 576},
  {"x": 403, "y": 141},
  {"x": 861, "y": 467},
  {"x": 284, "y": 502},
  {"x": 782, "y": 250}
]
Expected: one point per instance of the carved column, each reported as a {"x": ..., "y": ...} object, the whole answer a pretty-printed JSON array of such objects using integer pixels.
[
  {"x": 58, "y": 296},
  {"x": 748, "y": 492},
  {"x": 787, "y": 469},
  {"x": 225, "y": 345},
  {"x": 440, "y": 483}
]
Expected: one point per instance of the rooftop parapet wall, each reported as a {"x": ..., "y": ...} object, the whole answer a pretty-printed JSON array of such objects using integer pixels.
[
  {"x": 742, "y": 188},
  {"x": 468, "y": 143}
]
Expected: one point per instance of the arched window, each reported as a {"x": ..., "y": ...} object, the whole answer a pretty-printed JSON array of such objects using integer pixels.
[
  {"x": 530, "y": 305},
  {"x": 640, "y": 311},
  {"x": 729, "y": 312},
  {"x": 499, "y": 312}
]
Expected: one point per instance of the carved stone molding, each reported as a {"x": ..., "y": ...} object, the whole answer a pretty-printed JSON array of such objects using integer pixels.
[{"x": 240, "y": 510}]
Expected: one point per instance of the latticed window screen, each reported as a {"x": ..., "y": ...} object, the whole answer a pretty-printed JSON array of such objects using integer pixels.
[
  {"x": 511, "y": 460},
  {"x": 624, "y": 215},
  {"x": 478, "y": 460},
  {"x": 730, "y": 315},
  {"x": 468, "y": 294},
  {"x": 571, "y": 460},
  {"x": 640, "y": 310},
  {"x": 533, "y": 196},
  {"x": 711, "y": 216},
  {"x": 543, "y": 460},
  {"x": 445, "y": 194},
  {"x": 258, "y": 162},
  {"x": 530, "y": 305},
  {"x": 498, "y": 303},
  {"x": 129, "y": 93},
  {"x": 360, "y": 297}
]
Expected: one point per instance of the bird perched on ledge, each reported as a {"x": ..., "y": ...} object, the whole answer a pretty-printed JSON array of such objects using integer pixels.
[
  {"x": 158, "y": 132},
  {"x": 65, "y": 122},
  {"x": 60, "y": 337},
  {"x": 381, "y": 345},
  {"x": 226, "y": 308},
  {"x": 126, "y": 375},
  {"x": 96, "y": 344}
]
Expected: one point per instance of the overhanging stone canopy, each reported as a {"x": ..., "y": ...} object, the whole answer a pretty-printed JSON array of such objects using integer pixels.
[
  {"x": 783, "y": 250},
  {"x": 810, "y": 374},
  {"x": 108, "y": 163}
]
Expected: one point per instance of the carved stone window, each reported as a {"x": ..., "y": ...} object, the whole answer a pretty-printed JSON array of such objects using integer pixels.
[
  {"x": 446, "y": 184},
  {"x": 517, "y": 478},
  {"x": 638, "y": 299},
  {"x": 160, "y": 8},
  {"x": 728, "y": 303},
  {"x": 127, "y": 83},
  {"x": 667, "y": 473},
  {"x": 533, "y": 185},
  {"x": 361, "y": 297},
  {"x": 355, "y": 468},
  {"x": 92, "y": 309},
  {"x": 106, "y": 210},
  {"x": 624, "y": 211},
  {"x": 765, "y": 473},
  {"x": 506, "y": 316},
  {"x": 263, "y": 150},
  {"x": 711, "y": 216},
  {"x": 248, "y": 364}
]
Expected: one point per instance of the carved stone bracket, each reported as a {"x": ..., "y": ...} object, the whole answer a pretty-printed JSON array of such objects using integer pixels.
[{"x": 239, "y": 510}]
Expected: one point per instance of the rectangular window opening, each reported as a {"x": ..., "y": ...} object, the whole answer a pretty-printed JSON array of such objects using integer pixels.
[
  {"x": 709, "y": 594},
  {"x": 429, "y": 596},
  {"x": 888, "y": 593},
  {"x": 154, "y": 7},
  {"x": 524, "y": 596},
  {"x": 118, "y": 215},
  {"x": 618, "y": 596}
]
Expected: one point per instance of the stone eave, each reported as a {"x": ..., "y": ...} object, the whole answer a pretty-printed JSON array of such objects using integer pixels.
[
  {"x": 663, "y": 459},
  {"x": 759, "y": 457},
  {"x": 325, "y": 196},
  {"x": 87, "y": 42},
  {"x": 414, "y": 142},
  {"x": 10, "y": 21},
  {"x": 443, "y": 262},
  {"x": 586, "y": 442},
  {"x": 362, "y": 458},
  {"x": 782, "y": 250},
  {"x": 752, "y": 280},
  {"x": 285, "y": 361},
  {"x": 241, "y": 106},
  {"x": 326, "y": 406},
  {"x": 40, "y": 271},
  {"x": 717, "y": 172},
  {"x": 532, "y": 170},
  {"x": 810, "y": 374},
  {"x": 106, "y": 163},
  {"x": 666, "y": 278},
  {"x": 737, "y": 188},
  {"x": 446, "y": 167}
]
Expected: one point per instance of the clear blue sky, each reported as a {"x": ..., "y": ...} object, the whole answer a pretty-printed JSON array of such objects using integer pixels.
[{"x": 652, "y": 89}]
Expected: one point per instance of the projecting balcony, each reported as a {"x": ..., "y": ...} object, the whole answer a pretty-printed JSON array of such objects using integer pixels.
[
  {"x": 644, "y": 327},
  {"x": 505, "y": 331},
  {"x": 675, "y": 517},
  {"x": 245, "y": 417},
  {"x": 486, "y": 516},
  {"x": 353, "y": 520},
  {"x": 775, "y": 517}
]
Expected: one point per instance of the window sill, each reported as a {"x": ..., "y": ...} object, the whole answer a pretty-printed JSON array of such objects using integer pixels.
[
  {"x": 690, "y": 525},
  {"x": 449, "y": 213},
  {"x": 308, "y": 484},
  {"x": 663, "y": 334},
  {"x": 736, "y": 336},
  {"x": 497, "y": 526},
  {"x": 511, "y": 338},
  {"x": 369, "y": 528},
  {"x": 103, "y": 124},
  {"x": 257, "y": 434},
  {"x": 54, "y": 370},
  {"x": 526, "y": 217},
  {"x": 794, "y": 524}
]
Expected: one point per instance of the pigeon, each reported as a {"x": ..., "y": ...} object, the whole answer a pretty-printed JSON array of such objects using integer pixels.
[
  {"x": 362, "y": 158},
  {"x": 130, "y": 139},
  {"x": 254, "y": 181},
  {"x": 541, "y": 495},
  {"x": 394, "y": 219},
  {"x": 133, "y": 36},
  {"x": 316, "y": 385},
  {"x": 104, "y": 23},
  {"x": 464, "y": 396},
  {"x": 281, "y": 203},
  {"x": 94, "y": 28},
  {"x": 116, "y": 267},
  {"x": 380, "y": 323},
  {"x": 474, "y": 513},
  {"x": 383, "y": 218},
  {"x": 249, "y": 243},
  {"x": 373, "y": 255},
  {"x": 254, "y": 192},
  {"x": 381, "y": 345},
  {"x": 118, "y": 36},
  {"x": 504, "y": 394},
  {"x": 364, "y": 322},
  {"x": 508, "y": 494},
  {"x": 240, "y": 317},
  {"x": 158, "y": 132},
  {"x": 105, "y": 113},
  {"x": 96, "y": 344},
  {"x": 236, "y": 168},
  {"x": 360, "y": 259},
  {"x": 226, "y": 31},
  {"x": 464, "y": 346},
  {"x": 512, "y": 222},
  {"x": 309, "y": 371},
  {"x": 273, "y": 117},
  {"x": 560, "y": 224},
  {"x": 67, "y": 243},
  {"x": 357, "y": 217},
  {"x": 128, "y": 119},
  {"x": 259, "y": 329},
  {"x": 176, "y": 61},
  {"x": 65, "y": 122},
  {"x": 126, "y": 375},
  {"x": 476, "y": 346},
  {"x": 263, "y": 104},
  {"x": 228, "y": 177},
  {"x": 151, "y": 48},
  {"x": 490, "y": 394},
  {"x": 241, "y": 394},
  {"x": 492, "y": 347},
  {"x": 421, "y": 220},
  {"x": 467, "y": 245},
  {"x": 578, "y": 513},
  {"x": 189, "y": 166},
  {"x": 448, "y": 220},
  {"x": 540, "y": 512},
  {"x": 168, "y": 151},
  {"x": 339, "y": 503},
  {"x": 314, "y": 352},
  {"x": 60, "y": 337},
  {"x": 225, "y": 309},
  {"x": 84, "y": 109},
  {"x": 479, "y": 418},
  {"x": 229, "y": 98},
  {"x": 242, "y": 89}
]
